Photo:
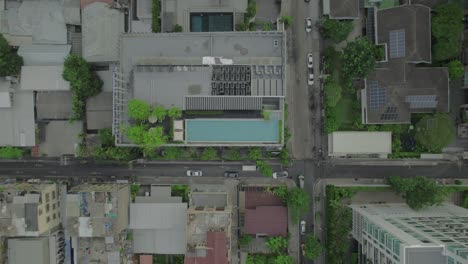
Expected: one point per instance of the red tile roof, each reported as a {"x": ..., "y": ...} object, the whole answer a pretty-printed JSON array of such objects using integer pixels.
[
  {"x": 269, "y": 220},
  {"x": 146, "y": 259},
  {"x": 216, "y": 252},
  {"x": 255, "y": 199},
  {"x": 84, "y": 3}
]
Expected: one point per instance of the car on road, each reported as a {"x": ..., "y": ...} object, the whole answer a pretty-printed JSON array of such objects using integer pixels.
[
  {"x": 300, "y": 178},
  {"x": 231, "y": 174},
  {"x": 310, "y": 61},
  {"x": 310, "y": 79},
  {"x": 308, "y": 24},
  {"x": 307, "y": 1},
  {"x": 280, "y": 174},
  {"x": 303, "y": 227},
  {"x": 192, "y": 173}
]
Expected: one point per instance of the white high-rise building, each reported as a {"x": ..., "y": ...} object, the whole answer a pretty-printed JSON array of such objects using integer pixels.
[{"x": 397, "y": 234}]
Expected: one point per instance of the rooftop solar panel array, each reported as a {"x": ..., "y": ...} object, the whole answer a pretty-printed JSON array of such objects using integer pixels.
[
  {"x": 378, "y": 95},
  {"x": 421, "y": 101},
  {"x": 397, "y": 43},
  {"x": 389, "y": 114}
]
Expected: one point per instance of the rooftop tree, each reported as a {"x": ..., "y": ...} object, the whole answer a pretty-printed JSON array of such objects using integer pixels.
[
  {"x": 138, "y": 110},
  {"x": 10, "y": 61}
]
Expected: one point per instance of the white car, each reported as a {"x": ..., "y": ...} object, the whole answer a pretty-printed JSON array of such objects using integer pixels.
[
  {"x": 310, "y": 79},
  {"x": 280, "y": 174},
  {"x": 191, "y": 173},
  {"x": 308, "y": 24},
  {"x": 310, "y": 61},
  {"x": 303, "y": 227},
  {"x": 301, "y": 181}
]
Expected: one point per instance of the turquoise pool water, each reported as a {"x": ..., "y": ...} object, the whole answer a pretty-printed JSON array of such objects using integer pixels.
[{"x": 232, "y": 130}]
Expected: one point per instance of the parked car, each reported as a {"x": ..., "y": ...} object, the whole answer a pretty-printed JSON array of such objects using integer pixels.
[
  {"x": 280, "y": 174},
  {"x": 308, "y": 24},
  {"x": 310, "y": 61},
  {"x": 191, "y": 173},
  {"x": 301, "y": 181},
  {"x": 231, "y": 174},
  {"x": 303, "y": 227},
  {"x": 310, "y": 79}
]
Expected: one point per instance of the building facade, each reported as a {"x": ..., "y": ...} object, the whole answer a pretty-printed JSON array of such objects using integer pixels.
[{"x": 396, "y": 234}]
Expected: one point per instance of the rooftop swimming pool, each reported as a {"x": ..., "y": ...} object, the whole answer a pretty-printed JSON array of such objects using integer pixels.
[{"x": 232, "y": 130}]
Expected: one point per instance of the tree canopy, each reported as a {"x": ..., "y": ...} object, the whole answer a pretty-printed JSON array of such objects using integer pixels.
[
  {"x": 174, "y": 112},
  {"x": 84, "y": 83},
  {"x": 337, "y": 30},
  {"x": 264, "y": 168},
  {"x": 10, "y": 61},
  {"x": 277, "y": 244},
  {"x": 287, "y": 20},
  {"x": 154, "y": 138},
  {"x": 298, "y": 203},
  {"x": 136, "y": 134},
  {"x": 159, "y": 112},
  {"x": 359, "y": 58},
  {"x": 447, "y": 26},
  {"x": 255, "y": 153},
  {"x": 138, "y": 110},
  {"x": 313, "y": 248},
  {"x": 209, "y": 154},
  {"x": 419, "y": 192},
  {"x": 435, "y": 132},
  {"x": 455, "y": 69}
]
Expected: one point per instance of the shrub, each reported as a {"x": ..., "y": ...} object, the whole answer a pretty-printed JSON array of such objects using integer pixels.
[
  {"x": 264, "y": 168},
  {"x": 11, "y": 153},
  {"x": 255, "y": 153},
  {"x": 337, "y": 30},
  {"x": 287, "y": 20},
  {"x": 154, "y": 138},
  {"x": 456, "y": 69},
  {"x": 160, "y": 113},
  {"x": 458, "y": 182},
  {"x": 277, "y": 244},
  {"x": 136, "y": 134},
  {"x": 105, "y": 137},
  {"x": 156, "y": 13},
  {"x": 284, "y": 157},
  {"x": 232, "y": 154},
  {"x": 244, "y": 240},
  {"x": 209, "y": 154},
  {"x": 177, "y": 28},
  {"x": 174, "y": 112}
]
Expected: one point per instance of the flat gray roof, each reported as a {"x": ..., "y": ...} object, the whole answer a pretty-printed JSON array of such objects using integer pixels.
[
  {"x": 28, "y": 250},
  {"x": 54, "y": 105},
  {"x": 167, "y": 86},
  {"x": 264, "y": 48},
  {"x": 42, "y": 55},
  {"x": 344, "y": 9},
  {"x": 425, "y": 255},
  {"x": 99, "y": 111}
]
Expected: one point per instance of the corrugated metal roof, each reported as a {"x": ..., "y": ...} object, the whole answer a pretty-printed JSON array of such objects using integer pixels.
[
  {"x": 43, "y": 78},
  {"x": 102, "y": 27},
  {"x": 54, "y": 105},
  {"x": 43, "y": 54},
  {"x": 18, "y": 127},
  {"x": 254, "y": 199},
  {"x": 216, "y": 250},
  {"x": 146, "y": 259},
  {"x": 269, "y": 220},
  {"x": 223, "y": 103},
  {"x": 360, "y": 142}
]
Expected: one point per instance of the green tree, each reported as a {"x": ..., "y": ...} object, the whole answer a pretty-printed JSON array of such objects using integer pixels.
[
  {"x": 10, "y": 61},
  {"x": 447, "y": 26},
  {"x": 283, "y": 259},
  {"x": 172, "y": 153},
  {"x": 266, "y": 26},
  {"x": 160, "y": 113},
  {"x": 251, "y": 10},
  {"x": 264, "y": 168},
  {"x": 455, "y": 69},
  {"x": 337, "y": 30},
  {"x": 332, "y": 89},
  {"x": 84, "y": 83},
  {"x": 282, "y": 192},
  {"x": 105, "y": 137},
  {"x": 136, "y": 134},
  {"x": 266, "y": 115},
  {"x": 244, "y": 240},
  {"x": 209, "y": 154},
  {"x": 138, "y": 110},
  {"x": 419, "y": 192},
  {"x": 331, "y": 121},
  {"x": 298, "y": 203},
  {"x": 154, "y": 138},
  {"x": 174, "y": 112},
  {"x": 359, "y": 58},
  {"x": 313, "y": 248},
  {"x": 255, "y": 153},
  {"x": 277, "y": 244},
  {"x": 435, "y": 132},
  {"x": 287, "y": 20},
  {"x": 177, "y": 28}
]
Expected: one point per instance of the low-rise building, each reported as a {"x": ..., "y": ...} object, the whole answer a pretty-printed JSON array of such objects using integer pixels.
[{"x": 360, "y": 144}]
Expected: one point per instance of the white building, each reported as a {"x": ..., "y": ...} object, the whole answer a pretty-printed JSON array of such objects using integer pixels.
[
  {"x": 359, "y": 144},
  {"x": 396, "y": 234}
]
